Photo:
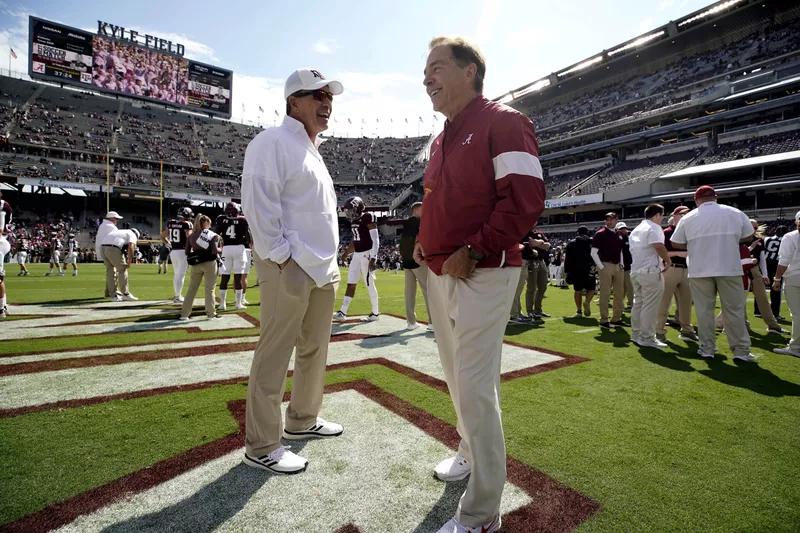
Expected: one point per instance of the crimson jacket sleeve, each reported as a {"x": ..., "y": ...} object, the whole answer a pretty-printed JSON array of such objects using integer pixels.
[{"x": 519, "y": 184}]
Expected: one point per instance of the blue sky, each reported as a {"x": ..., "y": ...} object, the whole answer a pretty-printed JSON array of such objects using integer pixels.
[{"x": 376, "y": 48}]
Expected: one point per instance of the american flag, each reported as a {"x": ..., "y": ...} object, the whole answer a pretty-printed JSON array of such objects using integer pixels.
[
  {"x": 13, "y": 53},
  {"x": 260, "y": 110},
  {"x": 277, "y": 114},
  {"x": 349, "y": 121}
]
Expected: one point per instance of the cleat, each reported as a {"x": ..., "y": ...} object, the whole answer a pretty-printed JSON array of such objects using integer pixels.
[
  {"x": 338, "y": 316},
  {"x": 239, "y": 307},
  {"x": 4, "y": 312},
  {"x": 372, "y": 317}
]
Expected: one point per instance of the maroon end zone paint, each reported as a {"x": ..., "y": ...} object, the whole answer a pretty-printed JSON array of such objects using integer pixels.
[{"x": 554, "y": 508}]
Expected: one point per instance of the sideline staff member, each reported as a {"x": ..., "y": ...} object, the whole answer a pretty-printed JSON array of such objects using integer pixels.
[{"x": 607, "y": 255}]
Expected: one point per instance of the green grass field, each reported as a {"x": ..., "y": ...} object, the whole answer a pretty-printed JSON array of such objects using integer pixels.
[{"x": 664, "y": 441}]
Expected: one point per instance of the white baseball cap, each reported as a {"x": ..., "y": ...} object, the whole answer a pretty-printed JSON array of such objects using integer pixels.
[
  {"x": 307, "y": 79},
  {"x": 113, "y": 214},
  {"x": 797, "y": 216},
  {"x": 621, "y": 225}
]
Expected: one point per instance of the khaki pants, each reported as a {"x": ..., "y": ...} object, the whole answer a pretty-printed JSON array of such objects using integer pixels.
[
  {"x": 791, "y": 288},
  {"x": 648, "y": 287},
  {"x": 295, "y": 315},
  {"x": 470, "y": 317},
  {"x": 524, "y": 274},
  {"x": 628, "y": 288},
  {"x": 207, "y": 271},
  {"x": 611, "y": 277},
  {"x": 116, "y": 270},
  {"x": 732, "y": 300},
  {"x": 537, "y": 286},
  {"x": 760, "y": 296},
  {"x": 676, "y": 281},
  {"x": 412, "y": 277}
]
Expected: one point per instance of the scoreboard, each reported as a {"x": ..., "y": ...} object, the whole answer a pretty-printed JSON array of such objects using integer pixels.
[{"x": 118, "y": 66}]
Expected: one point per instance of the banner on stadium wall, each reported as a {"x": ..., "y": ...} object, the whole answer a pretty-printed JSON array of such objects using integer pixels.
[
  {"x": 574, "y": 200},
  {"x": 59, "y": 184},
  {"x": 196, "y": 197}
]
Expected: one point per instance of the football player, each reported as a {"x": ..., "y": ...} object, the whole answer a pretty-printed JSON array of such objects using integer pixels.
[
  {"x": 235, "y": 233},
  {"x": 5, "y": 247},
  {"x": 365, "y": 245},
  {"x": 174, "y": 236},
  {"x": 22, "y": 256},
  {"x": 55, "y": 254},
  {"x": 72, "y": 254}
]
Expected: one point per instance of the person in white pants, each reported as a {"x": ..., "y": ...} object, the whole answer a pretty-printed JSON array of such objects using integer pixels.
[
  {"x": 647, "y": 253},
  {"x": 788, "y": 273},
  {"x": 175, "y": 236},
  {"x": 108, "y": 225}
]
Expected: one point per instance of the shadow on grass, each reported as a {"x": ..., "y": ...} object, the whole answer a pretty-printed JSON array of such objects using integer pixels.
[
  {"x": 618, "y": 337},
  {"x": 444, "y": 509},
  {"x": 208, "y": 508},
  {"x": 750, "y": 376},
  {"x": 668, "y": 359},
  {"x": 66, "y": 303},
  {"x": 580, "y": 321}
]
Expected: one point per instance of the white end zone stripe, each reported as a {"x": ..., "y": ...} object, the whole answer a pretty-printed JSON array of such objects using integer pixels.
[{"x": 517, "y": 163}]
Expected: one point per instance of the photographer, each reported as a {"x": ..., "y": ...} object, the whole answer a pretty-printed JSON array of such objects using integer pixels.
[{"x": 202, "y": 253}]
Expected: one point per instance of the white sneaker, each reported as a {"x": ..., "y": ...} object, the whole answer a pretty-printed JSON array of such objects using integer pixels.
[
  {"x": 453, "y": 469},
  {"x": 321, "y": 429},
  {"x": 244, "y": 301},
  {"x": 372, "y": 317},
  {"x": 430, "y": 327},
  {"x": 116, "y": 298},
  {"x": 412, "y": 327},
  {"x": 705, "y": 355},
  {"x": 240, "y": 307},
  {"x": 129, "y": 298},
  {"x": 454, "y": 527},
  {"x": 747, "y": 358},
  {"x": 60, "y": 274},
  {"x": 177, "y": 300},
  {"x": 650, "y": 343},
  {"x": 183, "y": 318},
  {"x": 338, "y": 316},
  {"x": 786, "y": 351},
  {"x": 281, "y": 461},
  {"x": 3, "y": 312},
  {"x": 222, "y": 306}
]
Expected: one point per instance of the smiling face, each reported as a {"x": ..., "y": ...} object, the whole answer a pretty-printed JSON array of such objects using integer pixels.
[
  {"x": 449, "y": 86},
  {"x": 312, "y": 112}
]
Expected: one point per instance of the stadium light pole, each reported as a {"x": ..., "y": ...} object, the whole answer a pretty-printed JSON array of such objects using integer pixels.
[
  {"x": 108, "y": 179},
  {"x": 161, "y": 194}
]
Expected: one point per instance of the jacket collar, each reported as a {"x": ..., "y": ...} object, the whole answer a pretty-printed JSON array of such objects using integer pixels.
[{"x": 470, "y": 109}]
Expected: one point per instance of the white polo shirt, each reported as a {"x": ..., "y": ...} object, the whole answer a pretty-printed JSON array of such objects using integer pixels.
[
  {"x": 711, "y": 234},
  {"x": 789, "y": 254},
  {"x": 641, "y": 241},
  {"x": 103, "y": 230},
  {"x": 289, "y": 201},
  {"x": 120, "y": 238}
]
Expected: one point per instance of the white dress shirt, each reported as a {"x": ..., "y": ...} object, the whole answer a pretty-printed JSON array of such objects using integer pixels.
[
  {"x": 711, "y": 234},
  {"x": 102, "y": 230},
  {"x": 789, "y": 254},
  {"x": 120, "y": 238},
  {"x": 641, "y": 240},
  {"x": 289, "y": 201}
]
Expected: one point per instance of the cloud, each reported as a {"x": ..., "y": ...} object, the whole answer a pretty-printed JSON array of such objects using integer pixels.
[
  {"x": 666, "y": 4},
  {"x": 325, "y": 46},
  {"x": 646, "y": 24},
  {"x": 491, "y": 8},
  {"x": 521, "y": 39},
  {"x": 15, "y": 35}
]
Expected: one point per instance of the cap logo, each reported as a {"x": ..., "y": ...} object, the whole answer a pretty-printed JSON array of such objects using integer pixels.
[{"x": 317, "y": 74}]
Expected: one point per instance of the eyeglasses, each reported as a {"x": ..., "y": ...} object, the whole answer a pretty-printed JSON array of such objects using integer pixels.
[{"x": 318, "y": 94}]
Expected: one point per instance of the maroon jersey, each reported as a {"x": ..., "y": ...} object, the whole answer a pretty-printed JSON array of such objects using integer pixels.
[
  {"x": 234, "y": 231},
  {"x": 176, "y": 234},
  {"x": 362, "y": 240}
]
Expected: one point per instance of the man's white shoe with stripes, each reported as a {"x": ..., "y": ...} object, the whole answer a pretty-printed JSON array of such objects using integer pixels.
[
  {"x": 281, "y": 461},
  {"x": 453, "y": 468},
  {"x": 321, "y": 429}
]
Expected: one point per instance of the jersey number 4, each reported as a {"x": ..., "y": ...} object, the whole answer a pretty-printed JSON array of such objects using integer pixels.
[{"x": 231, "y": 232}]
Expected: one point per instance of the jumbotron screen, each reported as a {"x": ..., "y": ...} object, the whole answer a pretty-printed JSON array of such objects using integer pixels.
[{"x": 68, "y": 55}]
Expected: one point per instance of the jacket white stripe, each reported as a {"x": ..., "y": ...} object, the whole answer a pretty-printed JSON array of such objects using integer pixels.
[{"x": 517, "y": 163}]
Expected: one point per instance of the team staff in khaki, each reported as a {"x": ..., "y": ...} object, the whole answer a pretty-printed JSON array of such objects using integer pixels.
[
  {"x": 676, "y": 282},
  {"x": 712, "y": 234},
  {"x": 414, "y": 273},
  {"x": 289, "y": 201},
  {"x": 607, "y": 256},
  {"x": 116, "y": 245},
  {"x": 483, "y": 192}
]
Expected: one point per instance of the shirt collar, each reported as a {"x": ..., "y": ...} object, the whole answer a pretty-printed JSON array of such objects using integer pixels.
[{"x": 297, "y": 128}]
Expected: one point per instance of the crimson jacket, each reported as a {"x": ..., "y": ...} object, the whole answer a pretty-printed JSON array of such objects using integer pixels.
[{"x": 483, "y": 186}]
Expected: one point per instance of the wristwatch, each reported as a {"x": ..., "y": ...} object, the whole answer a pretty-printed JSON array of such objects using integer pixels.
[{"x": 474, "y": 254}]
